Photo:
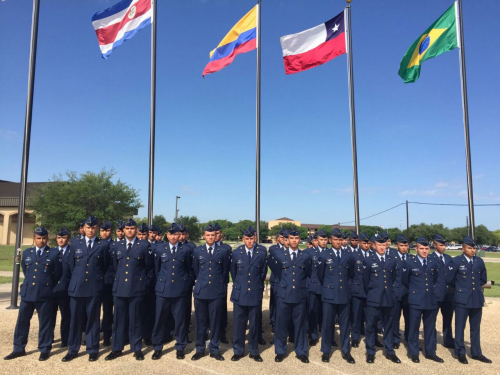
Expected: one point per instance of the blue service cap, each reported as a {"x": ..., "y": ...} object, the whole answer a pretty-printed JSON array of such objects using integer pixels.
[
  {"x": 314, "y": 236},
  {"x": 344, "y": 236},
  {"x": 422, "y": 240},
  {"x": 363, "y": 237},
  {"x": 373, "y": 238},
  {"x": 174, "y": 228},
  {"x": 41, "y": 231},
  {"x": 182, "y": 228},
  {"x": 401, "y": 239},
  {"x": 468, "y": 240},
  {"x": 439, "y": 238},
  {"x": 309, "y": 239},
  {"x": 120, "y": 225},
  {"x": 249, "y": 232},
  {"x": 321, "y": 233},
  {"x": 63, "y": 232},
  {"x": 293, "y": 232},
  {"x": 143, "y": 228},
  {"x": 106, "y": 225},
  {"x": 209, "y": 228},
  {"x": 159, "y": 231},
  {"x": 130, "y": 223},
  {"x": 82, "y": 224},
  {"x": 153, "y": 228},
  {"x": 91, "y": 221},
  {"x": 385, "y": 235},
  {"x": 217, "y": 226},
  {"x": 336, "y": 233},
  {"x": 353, "y": 236},
  {"x": 379, "y": 238}
]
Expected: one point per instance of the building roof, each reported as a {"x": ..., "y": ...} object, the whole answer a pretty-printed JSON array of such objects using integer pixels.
[
  {"x": 285, "y": 219},
  {"x": 9, "y": 192}
]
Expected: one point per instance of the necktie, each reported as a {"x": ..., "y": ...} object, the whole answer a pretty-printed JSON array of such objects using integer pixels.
[
  {"x": 173, "y": 251},
  {"x": 210, "y": 251},
  {"x": 404, "y": 257},
  {"x": 338, "y": 256},
  {"x": 249, "y": 256},
  {"x": 471, "y": 262},
  {"x": 38, "y": 254},
  {"x": 382, "y": 260},
  {"x": 129, "y": 247},
  {"x": 425, "y": 263},
  {"x": 89, "y": 246},
  {"x": 293, "y": 256},
  {"x": 61, "y": 250},
  {"x": 442, "y": 259}
]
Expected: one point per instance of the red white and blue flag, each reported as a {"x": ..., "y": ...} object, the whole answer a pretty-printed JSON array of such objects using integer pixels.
[
  {"x": 119, "y": 23},
  {"x": 314, "y": 46}
]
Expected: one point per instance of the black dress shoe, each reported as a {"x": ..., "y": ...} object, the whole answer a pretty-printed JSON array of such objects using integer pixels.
[
  {"x": 393, "y": 358},
  {"x": 93, "y": 357},
  {"x": 279, "y": 358},
  {"x": 105, "y": 343},
  {"x": 378, "y": 344},
  {"x": 14, "y": 355},
  {"x": 113, "y": 355},
  {"x": 481, "y": 358},
  {"x": 69, "y": 357},
  {"x": 415, "y": 359},
  {"x": 313, "y": 342},
  {"x": 348, "y": 357},
  {"x": 148, "y": 342},
  {"x": 261, "y": 341},
  {"x": 156, "y": 355},
  {"x": 355, "y": 343},
  {"x": 395, "y": 346},
  {"x": 44, "y": 356},
  {"x": 236, "y": 357},
  {"x": 434, "y": 358},
  {"x": 370, "y": 358},
  {"x": 224, "y": 340},
  {"x": 325, "y": 357},
  {"x": 139, "y": 355},
  {"x": 197, "y": 356},
  {"x": 256, "y": 358},
  {"x": 462, "y": 359},
  {"x": 217, "y": 356},
  {"x": 179, "y": 354},
  {"x": 303, "y": 358}
]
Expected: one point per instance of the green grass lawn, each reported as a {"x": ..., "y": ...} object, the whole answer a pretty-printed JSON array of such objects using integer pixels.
[
  {"x": 493, "y": 271},
  {"x": 8, "y": 280},
  {"x": 7, "y": 257}
]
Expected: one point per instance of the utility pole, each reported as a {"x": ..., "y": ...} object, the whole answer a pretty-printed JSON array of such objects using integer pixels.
[{"x": 176, "y": 210}]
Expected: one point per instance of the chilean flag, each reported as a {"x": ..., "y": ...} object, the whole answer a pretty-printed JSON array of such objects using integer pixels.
[
  {"x": 315, "y": 46},
  {"x": 119, "y": 23}
]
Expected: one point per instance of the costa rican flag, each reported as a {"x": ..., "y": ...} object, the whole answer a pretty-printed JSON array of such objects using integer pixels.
[
  {"x": 119, "y": 23},
  {"x": 314, "y": 46}
]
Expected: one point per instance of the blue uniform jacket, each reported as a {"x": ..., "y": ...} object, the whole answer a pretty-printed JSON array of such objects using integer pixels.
[
  {"x": 61, "y": 288},
  {"x": 173, "y": 273},
  {"x": 357, "y": 287},
  {"x": 109, "y": 276},
  {"x": 313, "y": 284},
  {"x": 291, "y": 276},
  {"x": 421, "y": 282},
  {"x": 444, "y": 292},
  {"x": 41, "y": 275},
  {"x": 248, "y": 278},
  {"x": 335, "y": 277},
  {"x": 272, "y": 278},
  {"x": 88, "y": 269},
  {"x": 211, "y": 273},
  {"x": 131, "y": 270},
  {"x": 468, "y": 281},
  {"x": 400, "y": 290},
  {"x": 378, "y": 281}
]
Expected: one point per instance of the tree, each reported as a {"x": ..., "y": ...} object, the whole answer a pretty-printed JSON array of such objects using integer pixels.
[
  {"x": 193, "y": 226},
  {"x": 67, "y": 201},
  {"x": 160, "y": 221},
  {"x": 370, "y": 230},
  {"x": 302, "y": 230}
]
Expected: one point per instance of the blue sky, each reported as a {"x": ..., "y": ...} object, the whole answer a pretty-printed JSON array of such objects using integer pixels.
[{"x": 90, "y": 113}]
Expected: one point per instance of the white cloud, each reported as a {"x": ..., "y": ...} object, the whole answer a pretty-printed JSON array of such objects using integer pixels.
[
  {"x": 408, "y": 192},
  {"x": 442, "y": 184}
]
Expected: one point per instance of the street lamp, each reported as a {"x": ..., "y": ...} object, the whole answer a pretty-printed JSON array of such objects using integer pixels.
[{"x": 176, "y": 210}]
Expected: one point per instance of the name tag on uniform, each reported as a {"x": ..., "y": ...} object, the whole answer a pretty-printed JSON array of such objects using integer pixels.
[
  {"x": 415, "y": 270},
  {"x": 78, "y": 251},
  {"x": 462, "y": 267},
  {"x": 28, "y": 259},
  {"x": 118, "y": 253},
  {"x": 200, "y": 257},
  {"x": 374, "y": 265},
  {"x": 239, "y": 262},
  {"x": 329, "y": 261},
  {"x": 359, "y": 262}
]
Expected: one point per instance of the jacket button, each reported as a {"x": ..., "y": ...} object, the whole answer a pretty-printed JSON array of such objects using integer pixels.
[
  {"x": 87, "y": 264},
  {"x": 173, "y": 274},
  {"x": 208, "y": 282},
  {"x": 126, "y": 272},
  {"x": 88, "y": 280},
  {"x": 86, "y": 271},
  {"x": 172, "y": 280},
  {"x": 249, "y": 275},
  {"x": 293, "y": 287},
  {"x": 128, "y": 258},
  {"x": 249, "y": 281},
  {"x": 248, "y": 289},
  {"x": 35, "y": 270},
  {"x": 126, "y": 279},
  {"x": 427, "y": 290},
  {"x": 33, "y": 283}
]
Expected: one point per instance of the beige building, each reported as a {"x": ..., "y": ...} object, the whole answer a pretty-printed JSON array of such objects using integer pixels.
[{"x": 9, "y": 202}]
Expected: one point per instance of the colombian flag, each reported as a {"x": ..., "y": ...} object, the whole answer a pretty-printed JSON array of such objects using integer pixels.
[
  {"x": 240, "y": 39},
  {"x": 440, "y": 37}
]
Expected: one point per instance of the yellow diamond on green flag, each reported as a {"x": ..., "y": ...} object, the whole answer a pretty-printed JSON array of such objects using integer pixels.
[{"x": 440, "y": 37}]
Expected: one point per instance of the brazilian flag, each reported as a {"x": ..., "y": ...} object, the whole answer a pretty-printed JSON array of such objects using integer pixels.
[{"x": 440, "y": 37}]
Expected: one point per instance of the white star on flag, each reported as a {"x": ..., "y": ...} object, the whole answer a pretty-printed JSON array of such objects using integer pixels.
[{"x": 335, "y": 28}]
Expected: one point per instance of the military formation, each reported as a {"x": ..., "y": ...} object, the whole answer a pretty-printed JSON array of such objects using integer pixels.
[{"x": 138, "y": 290}]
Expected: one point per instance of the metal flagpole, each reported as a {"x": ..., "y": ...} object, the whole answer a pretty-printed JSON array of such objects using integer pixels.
[
  {"x": 465, "y": 107},
  {"x": 347, "y": 22},
  {"x": 26, "y": 155},
  {"x": 153, "y": 114},
  {"x": 257, "y": 164}
]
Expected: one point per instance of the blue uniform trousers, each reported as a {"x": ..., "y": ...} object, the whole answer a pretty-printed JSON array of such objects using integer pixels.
[
  {"x": 373, "y": 314},
  {"x": 295, "y": 313},
  {"x": 398, "y": 306},
  {"x": 107, "y": 314},
  {"x": 429, "y": 319},
  {"x": 242, "y": 315},
  {"x": 447, "y": 315},
  {"x": 85, "y": 312},
  {"x": 358, "y": 317},
  {"x": 272, "y": 307},
  {"x": 128, "y": 310},
  {"x": 315, "y": 313},
  {"x": 148, "y": 320},
  {"x": 45, "y": 331},
  {"x": 208, "y": 312},
  {"x": 330, "y": 311},
  {"x": 61, "y": 304},
  {"x": 474, "y": 315},
  {"x": 170, "y": 309}
]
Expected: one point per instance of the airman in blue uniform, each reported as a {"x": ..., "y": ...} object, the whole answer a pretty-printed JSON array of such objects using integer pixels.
[
  {"x": 344, "y": 244},
  {"x": 120, "y": 235},
  {"x": 60, "y": 300},
  {"x": 107, "y": 296},
  {"x": 309, "y": 242},
  {"x": 354, "y": 241},
  {"x": 315, "y": 304},
  {"x": 159, "y": 235},
  {"x": 444, "y": 292},
  {"x": 88, "y": 262},
  {"x": 218, "y": 241},
  {"x": 80, "y": 235},
  {"x": 211, "y": 268},
  {"x": 172, "y": 265},
  {"x": 248, "y": 271},
  {"x": 378, "y": 280},
  {"x": 280, "y": 239},
  {"x": 400, "y": 290},
  {"x": 42, "y": 269},
  {"x": 292, "y": 267},
  {"x": 132, "y": 260},
  {"x": 335, "y": 272},
  {"x": 420, "y": 275},
  {"x": 150, "y": 298},
  {"x": 467, "y": 274},
  {"x": 184, "y": 240}
]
